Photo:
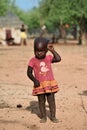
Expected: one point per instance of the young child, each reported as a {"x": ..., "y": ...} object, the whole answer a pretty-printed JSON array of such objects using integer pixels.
[
  {"x": 23, "y": 35},
  {"x": 45, "y": 85}
]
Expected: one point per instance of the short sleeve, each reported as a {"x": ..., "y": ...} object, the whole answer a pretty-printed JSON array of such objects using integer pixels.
[{"x": 31, "y": 62}]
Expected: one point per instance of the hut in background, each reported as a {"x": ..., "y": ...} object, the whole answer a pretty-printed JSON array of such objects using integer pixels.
[{"x": 12, "y": 23}]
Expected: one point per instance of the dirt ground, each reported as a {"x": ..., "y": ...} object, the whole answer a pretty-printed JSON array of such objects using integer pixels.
[{"x": 16, "y": 89}]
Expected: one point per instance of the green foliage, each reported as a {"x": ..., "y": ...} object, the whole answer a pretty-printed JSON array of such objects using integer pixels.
[
  {"x": 33, "y": 19},
  {"x": 30, "y": 18},
  {"x": 4, "y": 5},
  {"x": 64, "y": 11},
  {"x": 52, "y": 13},
  {"x": 55, "y": 11}
]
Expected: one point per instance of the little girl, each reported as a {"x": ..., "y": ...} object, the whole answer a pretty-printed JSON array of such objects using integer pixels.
[
  {"x": 45, "y": 85},
  {"x": 23, "y": 35}
]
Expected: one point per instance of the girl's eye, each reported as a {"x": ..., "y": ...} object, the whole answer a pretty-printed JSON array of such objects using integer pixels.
[{"x": 41, "y": 51}]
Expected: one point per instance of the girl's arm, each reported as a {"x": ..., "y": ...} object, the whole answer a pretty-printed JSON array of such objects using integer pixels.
[
  {"x": 30, "y": 75},
  {"x": 56, "y": 56}
]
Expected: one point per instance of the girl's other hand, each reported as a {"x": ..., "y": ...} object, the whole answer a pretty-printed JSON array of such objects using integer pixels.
[{"x": 36, "y": 83}]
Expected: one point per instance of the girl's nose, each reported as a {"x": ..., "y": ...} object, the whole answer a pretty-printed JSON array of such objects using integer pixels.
[{"x": 39, "y": 52}]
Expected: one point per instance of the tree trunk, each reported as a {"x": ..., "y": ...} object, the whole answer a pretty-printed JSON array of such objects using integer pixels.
[
  {"x": 84, "y": 38},
  {"x": 83, "y": 31}
]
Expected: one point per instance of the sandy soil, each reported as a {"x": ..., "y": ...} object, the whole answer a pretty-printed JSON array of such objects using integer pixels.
[{"x": 16, "y": 89}]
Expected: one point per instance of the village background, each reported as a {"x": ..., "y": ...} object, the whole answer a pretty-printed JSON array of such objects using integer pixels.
[{"x": 18, "y": 108}]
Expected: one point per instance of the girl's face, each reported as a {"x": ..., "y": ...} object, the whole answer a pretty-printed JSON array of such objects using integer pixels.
[{"x": 40, "y": 51}]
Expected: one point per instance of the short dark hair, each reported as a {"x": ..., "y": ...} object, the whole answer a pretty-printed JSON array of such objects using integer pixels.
[{"x": 40, "y": 40}]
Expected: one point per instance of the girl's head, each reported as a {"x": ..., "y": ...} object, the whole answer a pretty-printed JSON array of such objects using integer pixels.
[
  {"x": 40, "y": 47},
  {"x": 22, "y": 25}
]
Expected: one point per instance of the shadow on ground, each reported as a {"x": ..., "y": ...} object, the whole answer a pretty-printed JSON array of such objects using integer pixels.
[{"x": 34, "y": 108}]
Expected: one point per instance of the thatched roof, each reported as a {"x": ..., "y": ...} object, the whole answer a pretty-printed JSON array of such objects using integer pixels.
[{"x": 10, "y": 20}]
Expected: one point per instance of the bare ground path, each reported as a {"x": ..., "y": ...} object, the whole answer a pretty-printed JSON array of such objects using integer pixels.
[{"x": 16, "y": 89}]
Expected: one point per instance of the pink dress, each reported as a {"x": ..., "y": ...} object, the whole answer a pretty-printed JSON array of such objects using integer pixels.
[{"x": 43, "y": 73}]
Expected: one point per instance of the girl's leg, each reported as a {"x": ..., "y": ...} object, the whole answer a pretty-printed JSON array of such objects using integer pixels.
[
  {"x": 42, "y": 100},
  {"x": 25, "y": 43},
  {"x": 52, "y": 106},
  {"x": 21, "y": 41}
]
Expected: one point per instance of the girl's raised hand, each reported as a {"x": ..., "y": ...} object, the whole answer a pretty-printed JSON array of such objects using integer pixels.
[{"x": 50, "y": 47}]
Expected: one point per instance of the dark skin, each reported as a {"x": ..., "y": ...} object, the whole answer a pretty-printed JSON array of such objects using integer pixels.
[{"x": 40, "y": 53}]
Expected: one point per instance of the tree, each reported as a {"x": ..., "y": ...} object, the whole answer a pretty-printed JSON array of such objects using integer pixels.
[
  {"x": 66, "y": 11},
  {"x": 4, "y": 4},
  {"x": 79, "y": 14},
  {"x": 33, "y": 20},
  {"x": 55, "y": 10},
  {"x": 30, "y": 18}
]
